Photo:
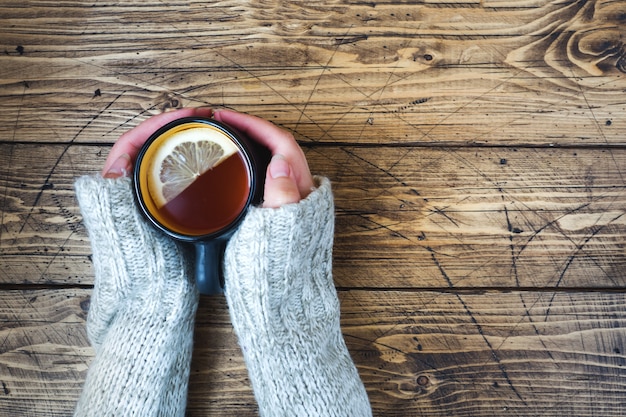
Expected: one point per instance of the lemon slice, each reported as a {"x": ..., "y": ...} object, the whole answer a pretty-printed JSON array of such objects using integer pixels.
[{"x": 182, "y": 158}]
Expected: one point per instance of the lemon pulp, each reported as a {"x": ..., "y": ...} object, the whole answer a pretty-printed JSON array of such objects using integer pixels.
[{"x": 182, "y": 157}]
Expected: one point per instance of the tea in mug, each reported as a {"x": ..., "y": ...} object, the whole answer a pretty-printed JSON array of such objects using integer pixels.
[{"x": 194, "y": 180}]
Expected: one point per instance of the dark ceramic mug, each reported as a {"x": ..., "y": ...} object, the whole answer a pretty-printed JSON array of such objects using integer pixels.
[{"x": 194, "y": 180}]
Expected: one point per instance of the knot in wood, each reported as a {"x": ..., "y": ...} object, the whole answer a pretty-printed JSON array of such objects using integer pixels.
[{"x": 169, "y": 101}]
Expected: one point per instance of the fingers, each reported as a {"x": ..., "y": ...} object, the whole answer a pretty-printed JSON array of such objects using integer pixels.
[
  {"x": 277, "y": 140},
  {"x": 130, "y": 142},
  {"x": 288, "y": 178},
  {"x": 280, "y": 184}
]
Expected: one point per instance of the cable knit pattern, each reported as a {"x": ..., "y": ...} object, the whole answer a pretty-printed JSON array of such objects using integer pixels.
[
  {"x": 285, "y": 310},
  {"x": 281, "y": 298},
  {"x": 142, "y": 311}
]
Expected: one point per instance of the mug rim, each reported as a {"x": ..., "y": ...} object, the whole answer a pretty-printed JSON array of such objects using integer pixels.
[{"x": 224, "y": 232}]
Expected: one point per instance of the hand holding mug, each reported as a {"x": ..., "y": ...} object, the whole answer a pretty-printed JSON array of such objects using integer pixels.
[
  {"x": 194, "y": 177},
  {"x": 288, "y": 179}
]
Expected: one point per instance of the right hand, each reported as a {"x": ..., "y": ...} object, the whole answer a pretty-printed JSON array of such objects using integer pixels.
[{"x": 288, "y": 179}]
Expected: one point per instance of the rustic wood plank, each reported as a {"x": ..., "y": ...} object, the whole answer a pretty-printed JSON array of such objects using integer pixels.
[
  {"x": 43, "y": 351},
  {"x": 476, "y": 149},
  {"x": 419, "y": 217},
  {"x": 462, "y": 72},
  {"x": 419, "y": 353},
  {"x": 479, "y": 218},
  {"x": 526, "y": 354}
]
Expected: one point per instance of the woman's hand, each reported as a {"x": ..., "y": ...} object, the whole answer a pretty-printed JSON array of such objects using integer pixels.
[{"x": 288, "y": 177}]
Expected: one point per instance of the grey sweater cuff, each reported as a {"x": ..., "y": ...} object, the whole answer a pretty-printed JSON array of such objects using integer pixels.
[
  {"x": 131, "y": 259},
  {"x": 142, "y": 311},
  {"x": 285, "y": 311}
]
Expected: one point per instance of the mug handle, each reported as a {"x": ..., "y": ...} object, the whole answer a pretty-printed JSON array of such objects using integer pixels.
[{"x": 209, "y": 274}]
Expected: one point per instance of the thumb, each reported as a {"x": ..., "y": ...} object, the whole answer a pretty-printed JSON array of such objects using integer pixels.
[
  {"x": 280, "y": 184},
  {"x": 120, "y": 168}
]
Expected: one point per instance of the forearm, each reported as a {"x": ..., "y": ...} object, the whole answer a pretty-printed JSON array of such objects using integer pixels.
[
  {"x": 285, "y": 310},
  {"x": 142, "y": 309},
  {"x": 141, "y": 369}
]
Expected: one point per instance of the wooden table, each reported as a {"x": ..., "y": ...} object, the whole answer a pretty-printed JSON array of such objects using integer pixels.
[{"x": 478, "y": 155}]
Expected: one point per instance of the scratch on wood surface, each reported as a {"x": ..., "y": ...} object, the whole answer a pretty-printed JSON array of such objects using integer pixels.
[
  {"x": 479, "y": 328},
  {"x": 442, "y": 212},
  {"x": 379, "y": 342},
  {"x": 528, "y": 316},
  {"x": 3, "y": 208},
  {"x": 350, "y": 39},
  {"x": 325, "y": 68},
  {"x": 512, "y": 247},
  {"x": 386, "y": 171},
  {"x": 389, "y": 228},
  {"x": 600, "y": 130},
  {"x": 574, "y": 256},
  {"x": 46, "y": 183}
]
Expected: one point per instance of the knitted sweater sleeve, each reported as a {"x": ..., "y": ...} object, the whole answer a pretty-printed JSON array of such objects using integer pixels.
[
  {"x": 142, "y": 310},
  {"x": 281, "y": 297},
  {"x": 285, "y": 311}
]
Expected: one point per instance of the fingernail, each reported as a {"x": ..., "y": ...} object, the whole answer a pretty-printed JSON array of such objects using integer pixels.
[
  {"x": 119, "y": 168},
  {"x": 279, "y": 167},
  {"x": 205, "y": 108}
]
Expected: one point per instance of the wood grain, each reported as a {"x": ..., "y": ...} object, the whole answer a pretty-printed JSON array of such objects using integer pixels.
[
  {"x": 535, "y": 72},
  {"x": 419, "y": 353},
  {"x": 419, "y": 217},
  {"x": 477, "y": 150},
  {"x": 43, "y": 351}
]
